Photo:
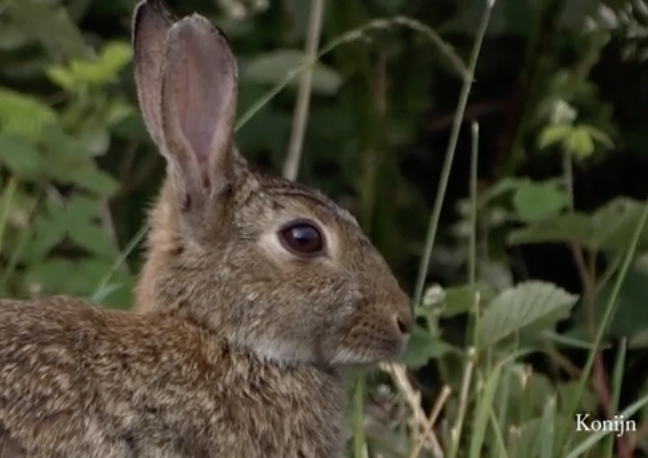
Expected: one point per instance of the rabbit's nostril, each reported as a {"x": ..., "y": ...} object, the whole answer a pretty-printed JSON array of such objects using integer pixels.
[{"x": 404, "y": 323}]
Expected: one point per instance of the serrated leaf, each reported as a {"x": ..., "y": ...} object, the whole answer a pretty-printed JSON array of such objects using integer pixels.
[
  {"x": 534, "y": 201},
  {"x": 273, "y": 67},
  {"x": 520, "y": 307}
]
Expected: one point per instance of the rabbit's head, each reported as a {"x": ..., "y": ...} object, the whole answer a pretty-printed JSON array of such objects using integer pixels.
[{"x": 267, "y": 264}]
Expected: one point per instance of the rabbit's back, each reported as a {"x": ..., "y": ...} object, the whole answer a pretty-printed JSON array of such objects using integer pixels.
[{"x": 80, "y": 381}]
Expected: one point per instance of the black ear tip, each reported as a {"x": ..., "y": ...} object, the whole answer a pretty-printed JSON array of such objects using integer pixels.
[{"x": 156, "y": 10}]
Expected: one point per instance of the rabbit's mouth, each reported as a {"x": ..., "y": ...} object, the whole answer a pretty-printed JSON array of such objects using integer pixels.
[{"x": 382, "y": 349}]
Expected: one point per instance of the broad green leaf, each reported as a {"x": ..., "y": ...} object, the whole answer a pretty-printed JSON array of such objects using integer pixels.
[
  {"x": 534, "y": 201},
  {"x": 273, "y": 67},
  {"x": 20, "y": 155},
  {"x": 520, "y": 307},
  {"x": 554, "y": 133}
]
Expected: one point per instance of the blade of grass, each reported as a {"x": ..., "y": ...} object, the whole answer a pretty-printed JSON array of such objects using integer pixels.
[
  {"x": 137, "y": 238},
  {"x": 609, "y": 308},
  {"x": 359, "y": 441},
  {"x": 449, "y": 156},
  {"x": 499, "y": 437},
  {"x": 484, "y": 407},
  {"x": 300, "y": 116},
  {"x": 617, "y": 382},
  {"x": 466, "y": 383},
  {"x": 548, "y": 429},
  {"x": 10, "y": 189}
]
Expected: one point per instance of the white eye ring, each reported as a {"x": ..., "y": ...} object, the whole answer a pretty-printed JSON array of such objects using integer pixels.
[{"x": 302, "y": 238}]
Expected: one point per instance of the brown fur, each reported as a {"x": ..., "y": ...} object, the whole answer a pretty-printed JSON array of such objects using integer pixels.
[{"x": 237, "y": 347}]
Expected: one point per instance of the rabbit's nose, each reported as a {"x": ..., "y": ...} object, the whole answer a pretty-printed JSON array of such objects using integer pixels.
[{"x": 404, "y": 321}]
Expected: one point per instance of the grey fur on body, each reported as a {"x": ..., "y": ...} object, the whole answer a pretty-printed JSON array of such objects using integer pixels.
[{"x": 239, "y": 341}]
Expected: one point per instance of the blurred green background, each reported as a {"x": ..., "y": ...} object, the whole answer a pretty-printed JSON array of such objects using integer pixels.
[{"x": 555, "y": 79}]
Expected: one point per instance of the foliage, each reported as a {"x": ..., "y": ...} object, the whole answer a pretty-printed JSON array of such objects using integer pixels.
[{"x": 512, "y": 339}]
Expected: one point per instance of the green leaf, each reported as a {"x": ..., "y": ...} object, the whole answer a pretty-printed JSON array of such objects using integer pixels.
[
  {"x": 599, "y": 136},
  {"x": 580, "y": 142},
  {"x": 521, "y": 307},
  {"x": 614, "y": 224},
  {"x": 501, "y": 187},
  {"x": 609, "y": 228},
  {"x": 461, "y": 299},
  {"x": 570, "y": 227},
  {"x": 94, "y": 180},
  {"x": 62, "y": 77},
  {"x": 51, "y": 25},
  {"x": 631, "y": 315},
  {"x": 93, "y": 238},
  {"x": 273, "y": 67},
  {"x": 20, "y": 155},
  {"x": 554, "y": 133},
  {"x": 24, "y": 115},
  {"x": 423, "y": 347},
  {"x": 534, "y": 201}
]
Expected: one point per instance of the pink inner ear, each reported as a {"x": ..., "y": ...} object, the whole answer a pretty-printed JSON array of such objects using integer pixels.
[
  {"x": 199, "y": 93},
  {"x": 202, "y": 104}
]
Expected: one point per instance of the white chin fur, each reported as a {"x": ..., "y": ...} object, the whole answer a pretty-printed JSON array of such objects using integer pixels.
[
  {"x": 282, "y": 352},
  {"x": 349, "y": 357}
]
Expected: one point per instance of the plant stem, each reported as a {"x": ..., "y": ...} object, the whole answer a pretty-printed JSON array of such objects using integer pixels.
[
  {"x": 449, "y": 157},
  {"x": 300, "y": 116}
]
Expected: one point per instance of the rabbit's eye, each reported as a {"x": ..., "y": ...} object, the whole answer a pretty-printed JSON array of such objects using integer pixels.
[{"x": 302, "y": 238}]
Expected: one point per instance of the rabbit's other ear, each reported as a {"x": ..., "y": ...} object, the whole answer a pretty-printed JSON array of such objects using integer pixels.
[
  {"x": 199, "y": 91},
  {"x": 151, "y": 22}
]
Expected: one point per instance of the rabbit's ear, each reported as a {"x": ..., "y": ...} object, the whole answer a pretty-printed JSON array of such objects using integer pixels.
[
  {"x": 151, "y": 22},
  {"x": 199, "y": 91}
]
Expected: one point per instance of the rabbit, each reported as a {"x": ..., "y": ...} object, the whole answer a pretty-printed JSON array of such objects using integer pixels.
[{"x": 256, "y": 297}]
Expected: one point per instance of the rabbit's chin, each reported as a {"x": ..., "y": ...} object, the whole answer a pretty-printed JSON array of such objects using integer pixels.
[{"x": 289, "y": 354}]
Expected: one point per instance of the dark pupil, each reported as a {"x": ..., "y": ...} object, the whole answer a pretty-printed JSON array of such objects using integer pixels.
[{"x": 303, "y": 238}]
